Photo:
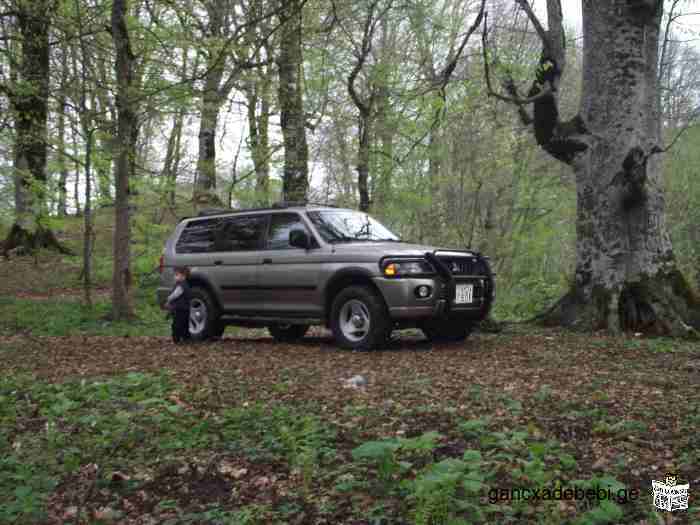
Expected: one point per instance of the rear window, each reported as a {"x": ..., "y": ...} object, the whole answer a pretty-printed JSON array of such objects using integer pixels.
[{"x": 222, "y": 234}]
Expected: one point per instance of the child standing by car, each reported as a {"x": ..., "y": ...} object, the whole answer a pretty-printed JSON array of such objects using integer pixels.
[{"x": 178, "y": 303}]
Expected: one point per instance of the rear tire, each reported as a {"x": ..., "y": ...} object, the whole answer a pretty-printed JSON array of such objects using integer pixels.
[
  {"x": 288, "y": 333},
  {"x": 446, "y": 330},
  {"x": 359, "y": 319},
  {"x": 204, "y": 316}
]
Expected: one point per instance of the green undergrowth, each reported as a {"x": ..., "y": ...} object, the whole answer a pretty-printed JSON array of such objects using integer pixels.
[
  {"x": 68, "y": 315},
  {"x": 143, "y": 444}
]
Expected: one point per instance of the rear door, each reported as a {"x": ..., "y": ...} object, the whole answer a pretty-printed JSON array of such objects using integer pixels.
[
  {"x": 226, "y": 252},
  {"x": 288, "y": 277}
]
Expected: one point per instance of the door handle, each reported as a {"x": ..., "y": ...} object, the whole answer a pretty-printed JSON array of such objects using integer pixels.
[
  {"x": 267, "y": 261},
  {"x": 218, "y": 263}
]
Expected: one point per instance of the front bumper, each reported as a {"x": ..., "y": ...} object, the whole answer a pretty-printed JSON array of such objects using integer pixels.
[{"x": 400, "y": 297}]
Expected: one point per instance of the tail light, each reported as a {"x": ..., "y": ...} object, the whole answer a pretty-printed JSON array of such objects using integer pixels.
[{"x": 161, "y": 265}]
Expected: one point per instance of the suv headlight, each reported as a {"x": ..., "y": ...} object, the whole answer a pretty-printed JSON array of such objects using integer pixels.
[{"x": 405, "y": 268}]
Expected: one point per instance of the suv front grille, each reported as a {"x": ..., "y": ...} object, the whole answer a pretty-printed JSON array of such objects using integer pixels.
[{"x": 464, "y": 266}]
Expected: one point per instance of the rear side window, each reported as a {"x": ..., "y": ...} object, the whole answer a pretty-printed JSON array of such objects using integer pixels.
[
  {"x": 222, "y": 234},
  {"x": 281, "y": 224}
]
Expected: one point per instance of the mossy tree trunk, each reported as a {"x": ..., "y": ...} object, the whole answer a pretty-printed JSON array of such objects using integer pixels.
[
  {"x": 295, "y": 182},
  {"x": 122, "y": 307},
  {"x": 258, "y": 95},
  {"x": 29, "y": 102},
  {"x": 626, "y": 278}
]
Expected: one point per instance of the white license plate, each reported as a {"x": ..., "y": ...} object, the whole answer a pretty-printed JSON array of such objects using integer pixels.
[{"x": 464, "y": 293}]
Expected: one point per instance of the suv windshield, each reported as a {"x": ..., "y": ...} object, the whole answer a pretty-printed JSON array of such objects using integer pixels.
[{"x": 349, "y": 226}]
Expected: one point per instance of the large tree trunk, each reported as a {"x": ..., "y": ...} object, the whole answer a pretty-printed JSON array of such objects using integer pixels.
[
  {"x": 626, "y": 274},
  {"x": 295, "y": 183},
  {"x": 126, "y": 122},
  {"x": 214, "y": 95},
  {"x": 30, "y": 106}
]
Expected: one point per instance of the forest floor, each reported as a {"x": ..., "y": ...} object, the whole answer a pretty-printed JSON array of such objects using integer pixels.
[
  {"x": 245, "y": 430},
  {"x": 111, "y": 423}
]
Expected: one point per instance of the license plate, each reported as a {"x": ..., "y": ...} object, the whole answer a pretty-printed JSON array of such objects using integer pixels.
[{"x": 464, "y": 293}]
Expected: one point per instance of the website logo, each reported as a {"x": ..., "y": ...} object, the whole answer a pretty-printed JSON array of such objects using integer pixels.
[{"x": 670, "y": 496}]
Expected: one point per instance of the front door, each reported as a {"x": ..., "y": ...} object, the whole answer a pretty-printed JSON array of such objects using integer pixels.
[{"x": 288, "y": 277}]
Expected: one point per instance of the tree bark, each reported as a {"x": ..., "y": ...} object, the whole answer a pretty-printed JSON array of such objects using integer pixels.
[
  {"x": 385, "y": 133},
  {"x": 295, "y": 183},
  {"x": 29, "y": 102},
  {"x": 122, "y": 307},
  {"x": 61, "y": 159},
  {"x": 205, "y": 184},
  {"x": 626, "y": 275},
  {"x": 258, "y": 94}
]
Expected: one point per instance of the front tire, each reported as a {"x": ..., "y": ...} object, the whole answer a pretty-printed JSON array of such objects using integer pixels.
[
  {"x": 204, "y": 316},
  {"x": 446, "y": 330},
  {"x": 288, "y": 333},
  {"x": 359, "y": 319}
]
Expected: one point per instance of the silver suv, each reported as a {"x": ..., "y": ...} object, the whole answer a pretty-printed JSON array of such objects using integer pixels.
[{"x": 292, "y": 266}]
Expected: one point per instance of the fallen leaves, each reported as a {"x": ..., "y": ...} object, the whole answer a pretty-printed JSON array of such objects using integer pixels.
[{"x": 557, "y": 385}]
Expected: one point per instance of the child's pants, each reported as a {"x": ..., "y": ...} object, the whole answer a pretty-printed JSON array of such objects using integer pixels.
[{"x": 181, "y": 325}]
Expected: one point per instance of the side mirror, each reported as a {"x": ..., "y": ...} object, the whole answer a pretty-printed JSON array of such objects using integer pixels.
[{"x": 299, "y": 239}]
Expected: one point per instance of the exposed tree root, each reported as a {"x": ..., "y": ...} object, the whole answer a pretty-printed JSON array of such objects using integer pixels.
[
  {"x": 664, "y": 305},
  {"x": 29, "y": 242}
]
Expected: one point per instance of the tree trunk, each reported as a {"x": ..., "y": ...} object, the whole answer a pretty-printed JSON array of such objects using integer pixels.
[
  {"x": 205, "y": 183},
  {"x": 295, "y": 183},
  {"x": 61, "y": 159},
  {"x": 259, "y": 94},
  {"x": 364, "y": 132},
  {"x": 61, "y": 131},
  {"x": 76, "y": 168},
  {"x": 626, "y": 274},
  {"x": 385, "y": 161},
  {"x": 104, "y": 138},
  {"x": 126, "y": 121},
  {"x": 30, "y": 107},
  {"x": 172, "y": 157}
]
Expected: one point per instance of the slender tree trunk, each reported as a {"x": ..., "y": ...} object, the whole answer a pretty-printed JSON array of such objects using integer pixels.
[
  {"x": 76, "y": 168},
  {"x": 364, "y": 133},
  {"x": 61, "y": 131},
  {"x": 385, "y": 164},
  {"x": 61, "y": 159},
  {"x": 88, "y": 233},
  {"x": 295, "y": 183},
  {"x": 205, "y": 184},
  {"x": 104, "y": 139},
  {"x": 126, "y": 121},
  {"x": 258, "y": 94},
  {"x": 172, "y": 157}
]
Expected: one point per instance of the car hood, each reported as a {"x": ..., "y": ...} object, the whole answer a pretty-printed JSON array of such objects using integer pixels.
[{"x": 377, "y": 250}]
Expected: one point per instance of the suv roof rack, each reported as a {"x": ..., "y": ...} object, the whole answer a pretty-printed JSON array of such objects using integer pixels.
[
  {"x": 276, "y": 206},
  {"x": 214, "y": 211}
]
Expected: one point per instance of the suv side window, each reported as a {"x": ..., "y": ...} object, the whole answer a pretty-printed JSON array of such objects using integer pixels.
[
  {"x": 237, "y": 234},
  {"x": 198, "y": 236},
  {"x": 222, "y": 234},
  {"x": 281, "y": 224}
]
